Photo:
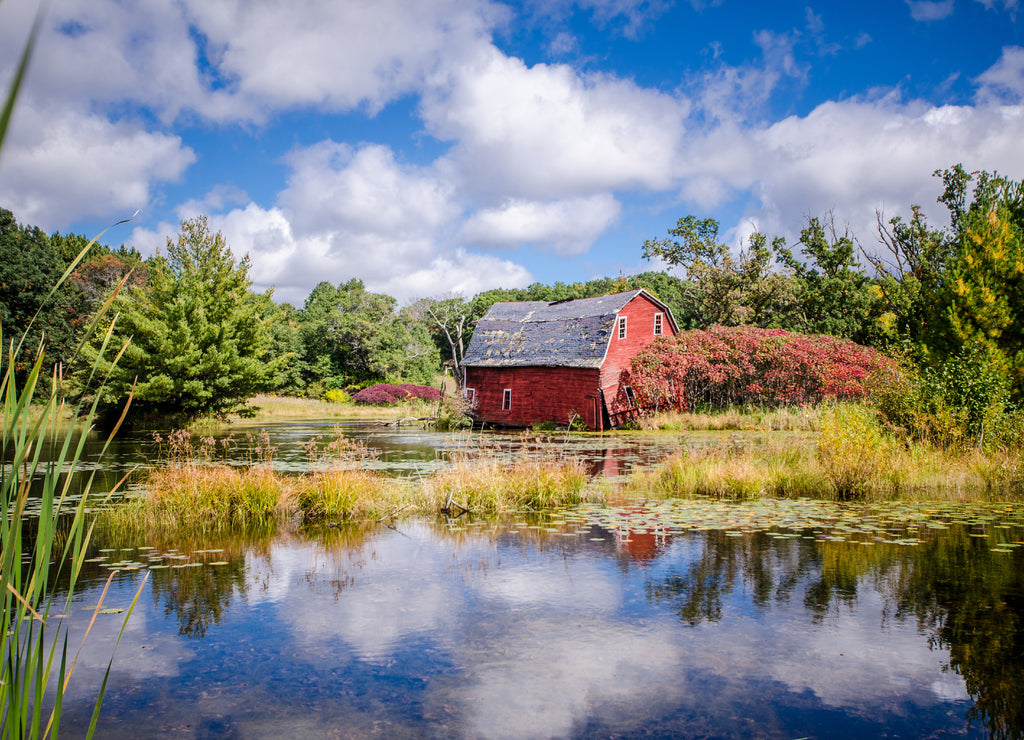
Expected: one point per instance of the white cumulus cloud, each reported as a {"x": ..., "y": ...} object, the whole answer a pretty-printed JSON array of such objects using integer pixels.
[
  {"x": 567, "y": 226},
  {"x": 547, "y": 132},
  {"x": 60, "y": 166}
]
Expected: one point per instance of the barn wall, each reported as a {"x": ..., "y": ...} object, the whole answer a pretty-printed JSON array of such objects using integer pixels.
[
  {"x": 639, "y": 313},
  {"x": 539, "y": 394}
]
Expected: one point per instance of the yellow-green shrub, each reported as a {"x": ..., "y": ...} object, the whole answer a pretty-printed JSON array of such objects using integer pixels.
[
  {"x": 337, "y": 395},
  {"x": 856, "y": 455}
]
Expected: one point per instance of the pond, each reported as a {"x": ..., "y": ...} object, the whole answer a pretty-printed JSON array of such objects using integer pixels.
[
  {"x": 776, "y": 619},
  {"x": 408, "y": 450}
]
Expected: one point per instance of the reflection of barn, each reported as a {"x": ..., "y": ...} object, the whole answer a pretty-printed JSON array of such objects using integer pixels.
[{"x": 535, "y": 361}]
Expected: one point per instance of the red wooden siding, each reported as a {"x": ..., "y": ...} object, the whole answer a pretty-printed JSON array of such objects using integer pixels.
[
  {"x": 539, "y": 394},
  {"x": 639, "y": 314}
]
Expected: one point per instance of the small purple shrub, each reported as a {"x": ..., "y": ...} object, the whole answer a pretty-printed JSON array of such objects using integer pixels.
[
  {"x": 375, "y": 395},
  {"x": 386, "y": 393}
]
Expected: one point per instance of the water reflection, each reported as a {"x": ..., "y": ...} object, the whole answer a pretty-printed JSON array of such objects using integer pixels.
[{"x": 568, "y": 626}]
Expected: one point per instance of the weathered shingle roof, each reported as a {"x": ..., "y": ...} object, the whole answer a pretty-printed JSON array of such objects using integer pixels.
[{"x": 573, "y": 333}]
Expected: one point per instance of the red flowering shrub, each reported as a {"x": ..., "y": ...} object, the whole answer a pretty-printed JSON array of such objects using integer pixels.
[
  {"x": 386, "y": 393},
  {"x": 724, "y": 366}
]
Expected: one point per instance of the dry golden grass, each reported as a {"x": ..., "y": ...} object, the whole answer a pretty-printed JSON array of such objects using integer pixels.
[
  {"x": 492, "y": 485},
  {"x": 843, "y": 461},
  {"x": 337, "y": 495},
  {"x": 785, "y": 419},
  {"x": 205, "y": 495},
  {"x": 276, "y": 408}
]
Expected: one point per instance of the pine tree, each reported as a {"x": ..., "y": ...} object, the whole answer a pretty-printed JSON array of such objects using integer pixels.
[{"x": 196, "y": 332}]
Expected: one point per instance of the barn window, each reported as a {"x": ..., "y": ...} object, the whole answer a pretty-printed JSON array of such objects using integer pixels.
[
  {"x": 471, "y": 396},
  {"x": 506, "y": 400},
  {"x": 630, "y": 396},
  {"x": 622, "y": 327},
  {"x": 657, "y": 323}
]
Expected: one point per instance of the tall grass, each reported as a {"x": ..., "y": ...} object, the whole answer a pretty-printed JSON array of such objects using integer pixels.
[
  {"x": 735, "y": 472},
  {"x": 490, "y": 485},
  {"x": 37, "y": 551},
  {"x": 37, "y": 664},
  {"x": 736, "y": 418}
]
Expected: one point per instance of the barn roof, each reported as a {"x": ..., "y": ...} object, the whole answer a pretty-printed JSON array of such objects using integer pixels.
[{"x": 570, "y": 333}]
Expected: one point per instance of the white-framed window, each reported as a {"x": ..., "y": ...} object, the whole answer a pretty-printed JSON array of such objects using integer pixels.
[
  {"x": 506, "y": 400},
  {"x": 471, "y": 396},
  {"x": 622, "y": 327},
  {"x": 630, "y": 396},
  {"x": 658, "y": 323}
]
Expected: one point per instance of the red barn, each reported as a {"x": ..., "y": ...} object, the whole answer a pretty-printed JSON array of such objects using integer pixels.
[{"x": 535, "y": 361}]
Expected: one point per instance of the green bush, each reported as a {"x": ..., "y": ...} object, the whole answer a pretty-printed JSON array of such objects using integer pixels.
[{"x": 960, "y": 403}]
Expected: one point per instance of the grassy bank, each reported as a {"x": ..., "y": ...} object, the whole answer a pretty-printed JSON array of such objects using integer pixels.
[
  {"x": 796, "y": 468},
  {"x": 736, "y": 419},
  {"x": 278, "y": 408},
  {"x": 203, "y": 495}
]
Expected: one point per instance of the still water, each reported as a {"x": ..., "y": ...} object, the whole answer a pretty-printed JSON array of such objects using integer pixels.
[
  {"x": 779, "y": 619},
  {"x": 408, "y": 450}
]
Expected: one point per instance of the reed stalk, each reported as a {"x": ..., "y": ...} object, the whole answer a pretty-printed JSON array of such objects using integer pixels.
[{"x": 35, "y": 552}]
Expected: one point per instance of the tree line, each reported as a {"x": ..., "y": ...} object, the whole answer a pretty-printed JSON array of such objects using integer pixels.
[{"x": 203, "y": 341}]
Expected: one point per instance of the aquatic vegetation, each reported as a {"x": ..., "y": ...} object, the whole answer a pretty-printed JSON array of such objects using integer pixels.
[
  {"x": 493, "y": 485},
  {"x": 736, "y": 418},
  {"x": 44, "y": 531},
  {"x": 735, "y": 471},
  {"x": 201, "y": 493},
  {"x": 336, "y": 495},
  {"x": 856, "y": 456}
]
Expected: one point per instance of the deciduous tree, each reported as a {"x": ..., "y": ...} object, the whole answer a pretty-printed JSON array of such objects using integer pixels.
[{"x": 728, "y": 290}]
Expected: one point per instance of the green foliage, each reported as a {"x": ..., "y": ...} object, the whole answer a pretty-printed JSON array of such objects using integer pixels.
[
  {"x": 350, "y": 335},
  {"x": 727, "y": 290},
  {"x": 961, "y": 289},
  {"x": 29, "y": 269},
  {"x": 199, "y": 339},
  {"x": 283, "y": 324},
  {"x": 986, "y": 284},
  {"x": 959, "y": 403},
  {"x": 830, "y": 292}
]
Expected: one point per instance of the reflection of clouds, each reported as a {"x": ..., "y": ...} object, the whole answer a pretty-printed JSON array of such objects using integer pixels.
[
  {"x": 584, "y": 586},
  {"x": 541, "y": 649},
  {"x": 395, "y": 592},
  {"x": 543, "y": 676},
  {"x": 850, "y": 662},
  {"x": 272, "y": 577},
  {"x": 148, "y": 649},
  {"x": 502, "y": 638}
]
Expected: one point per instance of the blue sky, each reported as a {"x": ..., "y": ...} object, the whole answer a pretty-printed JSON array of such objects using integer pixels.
[{"x": 451, "y": 146}]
